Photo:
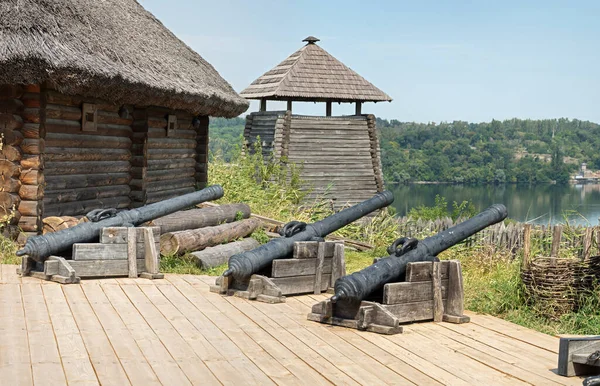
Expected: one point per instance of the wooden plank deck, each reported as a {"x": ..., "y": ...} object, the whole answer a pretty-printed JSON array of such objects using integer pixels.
[{"x": 175, "y": 332}]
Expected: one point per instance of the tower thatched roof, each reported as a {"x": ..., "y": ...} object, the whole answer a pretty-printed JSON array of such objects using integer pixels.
[
  {"x": 312, "y": 74},
  {"x": 110, "y": 49}
]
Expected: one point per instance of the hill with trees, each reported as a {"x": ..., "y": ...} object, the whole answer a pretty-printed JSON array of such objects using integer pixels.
[{"x": 514, "y": 150}]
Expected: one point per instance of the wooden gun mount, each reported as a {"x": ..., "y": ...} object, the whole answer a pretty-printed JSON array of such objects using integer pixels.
[
  {"x": 122, "y": 251},
  {"x": 432, "y": 291},
  {"x": 579, "y": 356},
  {"x": 314, "y": 268}
]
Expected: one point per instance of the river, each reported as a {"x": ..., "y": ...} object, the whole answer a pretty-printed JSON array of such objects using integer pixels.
[{"x": 537, "y": 204}]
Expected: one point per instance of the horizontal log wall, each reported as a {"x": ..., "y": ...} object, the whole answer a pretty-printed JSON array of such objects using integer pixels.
[
  {"x": 201, "y": 175},
  {"x": 262, "y": 126},
  {"x": 84, "y": 170},
  {"x": 339, "y": 157},
  {"x": 164, "y": 162}
]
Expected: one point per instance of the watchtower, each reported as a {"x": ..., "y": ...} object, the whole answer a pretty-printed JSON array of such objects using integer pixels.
[{"x": 339, "y": 155}]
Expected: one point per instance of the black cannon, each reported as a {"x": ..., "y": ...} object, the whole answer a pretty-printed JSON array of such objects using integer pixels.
[
  {"x": 40, "y": 247},
  {"x": 244, "y": 265},
  {"x": 361, "y": 284}
]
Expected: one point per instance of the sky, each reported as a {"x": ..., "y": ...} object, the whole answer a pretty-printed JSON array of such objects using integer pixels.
[{"x": 439, "y": 60}]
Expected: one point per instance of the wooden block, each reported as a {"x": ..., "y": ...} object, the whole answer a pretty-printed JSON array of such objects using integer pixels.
[
  {"x": 51, "y": 267},
  {"x": 118, "y": 235},
  {"x": 436, "y": 287},
  {"x": 300, "y": 284},
  {"x": 338, "y": 264},
  {"x": 105, "y": 251},
  {"x": 405, "y": 292},
  {"x": 298, "y": 267},
  {"x": 319, "y": 269},
  {"x": 103, "y": 268},
  {"x": 412, "y": 312},
  {"x": 308, "y": 249},
  {"x": 131, "y": 252},
  {"x": 570, "y": 347},
  {"x": 421, "y": 271},
  {"x": 455, "y": 293},
  {"x": 150, "y": 252},
  {"x": 270, "y": 299}
]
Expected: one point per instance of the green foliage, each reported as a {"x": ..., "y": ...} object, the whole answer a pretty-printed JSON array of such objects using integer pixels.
[
  {"x": 494, "y": 152},
  {"x": 8, "y": 249},
  {"x": 185, "y": 265},
  {"x": 260, "y": 235},
  {"x": 465, "y": 209}
]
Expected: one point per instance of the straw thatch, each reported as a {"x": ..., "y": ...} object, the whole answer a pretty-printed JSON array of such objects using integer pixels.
[
  {"x": 109, "y": 49},
  {"x": 312, "y": 74}
]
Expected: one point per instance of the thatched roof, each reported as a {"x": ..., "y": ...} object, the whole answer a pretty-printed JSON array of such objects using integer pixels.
[
  {"x": 312, "y": 74},
  {"x": 110, "y": 49}
]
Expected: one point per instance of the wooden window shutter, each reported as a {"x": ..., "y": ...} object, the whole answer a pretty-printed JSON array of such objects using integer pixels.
[
  {"x": 89, "y": 120},
  {"x": 171, "y": 124}
]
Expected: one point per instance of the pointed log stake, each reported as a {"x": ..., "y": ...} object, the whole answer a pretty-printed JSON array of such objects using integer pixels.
[{"x": 526, "y": 245}]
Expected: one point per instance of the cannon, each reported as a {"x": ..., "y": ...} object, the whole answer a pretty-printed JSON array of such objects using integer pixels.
[
  {"x": 407, "y": 285},
  {"x": 361, "y": 284},
  {"x": 243, "y": 265},
  {"x": 259, "y": 273},
  {"x": 39, "y": 248}
]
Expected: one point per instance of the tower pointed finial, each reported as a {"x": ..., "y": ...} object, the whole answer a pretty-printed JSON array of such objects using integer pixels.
[{"x": 311, "y": 40}]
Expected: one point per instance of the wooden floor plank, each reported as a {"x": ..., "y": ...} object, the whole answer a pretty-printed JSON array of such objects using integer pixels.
[
  {"x": 416, "y": 361},
  {"x": 513, "y": 374},
  {"x": 534, "y": 338},
  {"x": 525, "y": 370},
  {"x": 164, "y": 365},
  {"x": 15, "y": 360},
  {"x": 107, "y": 365},
  {"x": 9, "y": 274},
  {"x": 45, "y": 358},
  {"x": 504, "y": 342},
  {"x": 190, "y": 363},
  {"x": 207, "y": 352},
  {"x": 134, "y": 363},
  {"x": 304, "y": 373},
  {"x": 74, "y": 356},
  {"x": 289, "y": 340},
  {"x": 254, "y": 352}
]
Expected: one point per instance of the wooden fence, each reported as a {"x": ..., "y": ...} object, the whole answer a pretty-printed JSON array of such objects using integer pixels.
[{"x": 538, "y": 240}]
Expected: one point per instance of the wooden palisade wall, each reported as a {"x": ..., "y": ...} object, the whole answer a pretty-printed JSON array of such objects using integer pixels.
[
  {"x": 53, "y": 164},
  {"x": 340, "y": 156}
]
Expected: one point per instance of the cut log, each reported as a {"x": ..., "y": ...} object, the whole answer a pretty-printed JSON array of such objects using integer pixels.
[
  {"x": 86, "y": 167},
  {"x": 10, "y": 185},
  {"x": 75, "y": 181},
  {"x": 85, "y": 154},
  {"x": 11, "y": 106},
  {"x": 200, "y": 218},
  {"x": 10, "y": 153},
  {"x": 10, "y": 137},
  {"x": 31, "y": 130},
  {"x": 8, "y": 201},
  {"x": 30, "y": 208},
  {"x": 53, "y": 223},
  {"x": 9, "y": 169},
  {"x": 220, "y": 254},
  {"x": 32, "y": 162},
  {"x": 83, "y": 207},
  {"x": 82, "y": 194},
  {"x": 31, "y": 192},
  {"x": 197, "y": 239},
  {"x": 11, "y": 121},
  {"x": 29, "y": 223},
  {"x": 32, "y": 177},
  {"x": 32, "y": 146}
]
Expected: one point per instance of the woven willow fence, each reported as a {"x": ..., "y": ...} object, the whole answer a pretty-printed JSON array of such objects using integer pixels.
[{"x": 559, "y": 262}]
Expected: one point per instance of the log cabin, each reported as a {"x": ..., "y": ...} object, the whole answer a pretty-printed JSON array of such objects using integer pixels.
[
  {"x": 339, "y": 155},
  {"x": 101, "y": 106}
]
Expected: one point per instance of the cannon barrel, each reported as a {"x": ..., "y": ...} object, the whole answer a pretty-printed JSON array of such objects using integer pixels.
[
  {"x": 243, "y": 265},
  {"x": 361, "y": 284},
  {"x": 40, "y": 247}
]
